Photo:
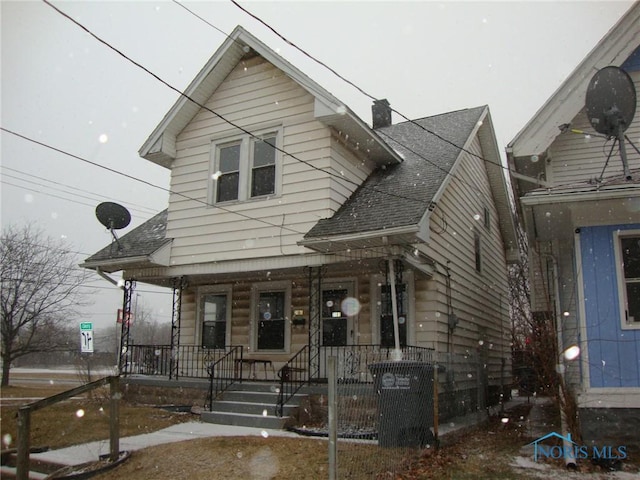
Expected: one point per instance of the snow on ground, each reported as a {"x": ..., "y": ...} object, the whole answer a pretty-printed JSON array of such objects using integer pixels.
[{"x": 549, "y": 472}]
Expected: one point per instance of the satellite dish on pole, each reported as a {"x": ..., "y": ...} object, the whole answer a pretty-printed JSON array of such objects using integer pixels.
[
  {"x": 611, "y": 105},
  {"x": 114, "y": 217}
]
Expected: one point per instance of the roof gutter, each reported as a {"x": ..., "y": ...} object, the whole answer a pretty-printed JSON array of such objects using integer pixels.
[
  {"x": 361, "y": 235},
  {"x": 545, "y": 199}
]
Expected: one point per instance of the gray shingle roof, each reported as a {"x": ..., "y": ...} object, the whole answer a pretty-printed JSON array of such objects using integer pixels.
[
  {"x": 141, "y": 241},
  {"x": 399, "y": 195}
]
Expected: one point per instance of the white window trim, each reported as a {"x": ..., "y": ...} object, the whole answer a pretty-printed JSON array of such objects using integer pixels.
[
  {"x": 213, "y": 290},
  {"x": 622, "y": 288},
  {"x": 256, "y": 289},
  {"x": 245, "y": 166},
  {"x": 376, "y": 306}
]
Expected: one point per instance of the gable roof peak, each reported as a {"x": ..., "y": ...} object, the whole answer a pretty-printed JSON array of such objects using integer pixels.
[{"x": 160, "y": 147}]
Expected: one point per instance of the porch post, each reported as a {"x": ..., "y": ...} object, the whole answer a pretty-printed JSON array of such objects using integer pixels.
[
  {"x": 129, "y": 287},
  {"x": 315, "y": 323},
  {"x": 176, "y": 315},
  {"x": 394, "y": 307}
]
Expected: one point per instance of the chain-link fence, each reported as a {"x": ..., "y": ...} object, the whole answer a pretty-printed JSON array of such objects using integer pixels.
[{"x": 385, "y": 423}]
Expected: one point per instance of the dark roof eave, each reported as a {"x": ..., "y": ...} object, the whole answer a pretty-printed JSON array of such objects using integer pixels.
[{"x": 407, "y": 234}]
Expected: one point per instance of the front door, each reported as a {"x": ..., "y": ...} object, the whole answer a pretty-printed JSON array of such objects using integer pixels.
[{"x": 336, "y": 326}]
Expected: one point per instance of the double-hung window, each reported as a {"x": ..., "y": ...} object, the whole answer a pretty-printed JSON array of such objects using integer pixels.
[
  {"x": 628, "y": 253},
  {"x": 245, "y": 168},
  {"x": 214, "y": 314}
]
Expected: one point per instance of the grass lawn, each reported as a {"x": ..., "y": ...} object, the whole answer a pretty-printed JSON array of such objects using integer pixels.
[{"x": 78, "y": 420}]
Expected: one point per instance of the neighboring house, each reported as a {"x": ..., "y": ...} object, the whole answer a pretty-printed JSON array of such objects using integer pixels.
[
  {"x": 582, "y": 217},
  {"x": 290, "y": 222}
]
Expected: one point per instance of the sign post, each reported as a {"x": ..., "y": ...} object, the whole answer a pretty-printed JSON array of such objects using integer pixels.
[{"x": 86, "y": 337}]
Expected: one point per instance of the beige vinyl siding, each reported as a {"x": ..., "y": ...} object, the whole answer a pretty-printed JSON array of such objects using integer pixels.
[
  {"x": 344, "y": 165},
  {"x": 256, "y": 96},
  {"x": 478, "y": 299},
  {"x": 575, "y": 158}
]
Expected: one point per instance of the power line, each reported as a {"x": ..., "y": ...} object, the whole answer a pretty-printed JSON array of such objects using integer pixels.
[
  {"x": 220, "y": 116},
  {"x": 131, "y": 177},
  {"x": 149, "y": 210},
  {"x": 60, "y": 190},
  {"x": 361, "y": 90},
  {"x": 419, "y": 155}
]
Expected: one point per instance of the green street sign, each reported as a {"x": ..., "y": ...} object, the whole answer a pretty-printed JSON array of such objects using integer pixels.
[{"x": 86, "y": 326}]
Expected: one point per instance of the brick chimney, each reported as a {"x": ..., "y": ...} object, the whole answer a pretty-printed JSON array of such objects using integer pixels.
[{"x": 381, "y": 113}]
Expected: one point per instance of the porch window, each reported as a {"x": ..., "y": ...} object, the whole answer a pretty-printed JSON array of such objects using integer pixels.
[
  {"x": 214, "y": 320},
  {"x": 271, "y": 321},
  {"x": 630, "y": 275},
  {"x": 386, "y": 315},
  {"x": 245, "y": 167}
]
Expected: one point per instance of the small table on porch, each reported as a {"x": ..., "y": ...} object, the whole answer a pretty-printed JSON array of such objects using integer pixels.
[{"x": 239, "y": 362}]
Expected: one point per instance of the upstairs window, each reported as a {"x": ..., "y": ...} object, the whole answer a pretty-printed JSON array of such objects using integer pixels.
[
  {"x": 263, "y": 169},
  {"x": 229, "y": 172},
  {"x": 245, "y": 168}
]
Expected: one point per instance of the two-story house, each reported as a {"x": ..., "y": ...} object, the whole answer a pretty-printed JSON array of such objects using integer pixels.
[
  {"x": 291, "y": 221},
  {"x": 581, "y": 211}
]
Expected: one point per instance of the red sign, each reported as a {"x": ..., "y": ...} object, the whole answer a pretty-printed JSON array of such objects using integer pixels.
[{"x": 128, "y": 317}]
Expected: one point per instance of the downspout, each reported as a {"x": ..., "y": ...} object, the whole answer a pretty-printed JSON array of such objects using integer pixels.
[
  {"x": 569, "y": 458},
  {"x": 108, "y": 278}
]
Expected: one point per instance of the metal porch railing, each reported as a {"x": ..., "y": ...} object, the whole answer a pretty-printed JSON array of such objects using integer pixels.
[
  {"x": 157, "y": 360},
  {"x": 352, "y": 363},
  {"x": 224, "y": 372}
]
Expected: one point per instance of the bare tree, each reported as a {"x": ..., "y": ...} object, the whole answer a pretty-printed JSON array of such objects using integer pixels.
[
  {"x": 146, "y": 329},
  {"x": 40, "y": 295}
]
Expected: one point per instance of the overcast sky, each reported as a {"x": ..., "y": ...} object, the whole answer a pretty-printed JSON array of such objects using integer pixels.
[{"x": 63, "y": 88}]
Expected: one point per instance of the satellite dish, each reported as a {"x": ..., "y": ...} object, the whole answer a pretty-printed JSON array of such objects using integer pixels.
[
  {"x": 113, "y": 216},
  {"x": 611, "y": 105},
  {"x": 611, "y": 101}
]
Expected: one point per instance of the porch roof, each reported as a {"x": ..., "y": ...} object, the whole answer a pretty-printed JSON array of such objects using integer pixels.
[{"x": 145, "y": 245}]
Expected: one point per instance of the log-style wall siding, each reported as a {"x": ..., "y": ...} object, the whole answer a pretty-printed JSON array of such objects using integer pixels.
[
  {"x": 257, "y": 96},
  {"x": 575, "y": 158}
]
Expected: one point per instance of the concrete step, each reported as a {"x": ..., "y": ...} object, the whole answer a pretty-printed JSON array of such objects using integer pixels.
[
  {"x": 268, "y": 398},
  {"x": 251, "y": 404},
  {"x": 273, "y": 387},
  {"x": 244, "y": 420},
  {"x": 249, "y": 407}
]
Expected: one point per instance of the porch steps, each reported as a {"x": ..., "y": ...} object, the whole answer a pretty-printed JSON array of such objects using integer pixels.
[{"x": 250, "y": 404}]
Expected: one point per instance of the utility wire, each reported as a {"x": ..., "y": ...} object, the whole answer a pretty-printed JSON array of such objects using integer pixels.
[
  {"x": 149, "y": 209},
  {"x": 421, "y": 156},
  {"x": 220, "y": 116},
  {"x": 60, "y": 190},
  {"x": 131, "y": 177},
  {"x": 361, "y": 90}
]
